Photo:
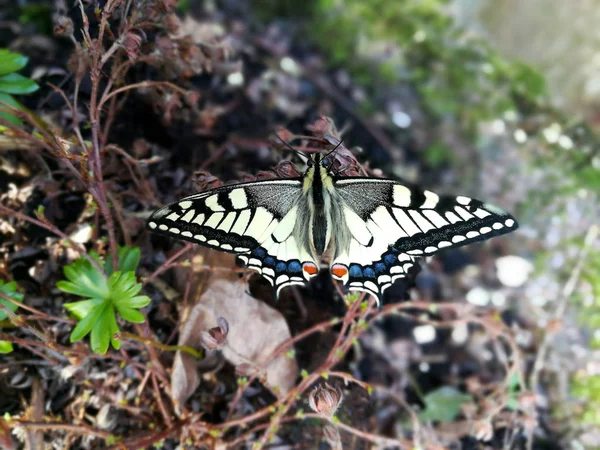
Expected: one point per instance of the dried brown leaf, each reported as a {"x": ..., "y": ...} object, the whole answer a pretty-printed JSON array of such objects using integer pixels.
[{"x": 255, "y": 330}]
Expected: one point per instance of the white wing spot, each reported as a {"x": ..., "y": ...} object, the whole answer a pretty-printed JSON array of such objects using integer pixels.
[
  {"x": 431, "y": 199},
  {"x": 213, "y": 242},
  {"x": 255, "y": 262},
  {"x": 482, "y": 213},
  {"x": 200, "y": 238},
  {"x": 435, "y": 218},
  {"x": 226, "y": 247},
  {"x": 268, "y": 271},
  {"x": 458, "y": 238},
  {"x": 213, "y": 203},
  {"x": 371, "y": 286},
  {"x": 260, "y": 222},
  {"x": 463, "y": 213},
  {"x": 497, "y": 226},
  {"x": 401, "y": 195},
  {"x": 358, "y": 228},
  {"x": 185, "y": 204},
  {"x": 241, "y": 249},
  {"x": 163, "y": 227},
  {"x": 463, "y": 200},
  {"x": 199, "y": 219},
  {"x": 421, "y": 221},
  {"x": 453, "y": 218},
  {"x": 485, "y": 230},
  {"x": 214, "y": 220},
  {"x": 189, "y": 215},
  {"x": 444, "y": 244},
  {"x": 409, "y": 227},
  {"x": 286, "y": 226},
  {"x": 228, "y": 222},
  {"x": 407, "y": 267},
  {"x": 384, "y": 279},
  {"x": 415, "y": 252},
  {"x": 186, "y": 234},
  {"x": 173, "y": 216},
  {"x": 152, "y": 225},
  {"x": 396, "y": 269},
  {"x": 281, "y": 279},
  {"x": 472, "y": 234},
  {"x": 175, "y": 230},
  {"x": 386, "y": 222},
  {"x": 509, "y": 223},
  {"x": 404, "y": 257},
  {"x": 241, "y": 223},
  {"x": 244, "y": 258},
  {"x": 238, "y": 198},
  {"x": 430, "y": 249}
]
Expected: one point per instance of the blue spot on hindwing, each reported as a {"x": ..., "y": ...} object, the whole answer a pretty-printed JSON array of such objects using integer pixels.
[
  {"x": 368, "y": 272},
  {"x": 280, "y": 266},
  {"x": 269, "y": 261},
  {"x": 380, "y": 268},
  {"x": 294, "y": 266},
  {"x": 355, "y": 270},
  {"x": 259, "y": 252},
  {"x": 389, "y": 259}
]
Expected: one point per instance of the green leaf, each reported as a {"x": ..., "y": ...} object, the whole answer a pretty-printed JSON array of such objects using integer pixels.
[
  {"x": 85, "y": 280},
  {"x": 9, "y": 100},
  {"x": 138, "y": 301},
  {"x": 443, "y": 404},
  {"x": 13, "y": 83},
  {"x": 129, "y": 259},
  {"x": 11, "y": 62},
  {"x": 82, "y": 308},
  {"x": 86, "y": 324},
  {"x": 6, "y": 347},
  {"x": 101, "y": 331},
  {"x": 114, "y": 330},
  {"x": 130, "y": 314},
  {"x": 10, "y": 290}
]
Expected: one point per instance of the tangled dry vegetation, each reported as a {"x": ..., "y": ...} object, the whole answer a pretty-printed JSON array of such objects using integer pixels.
[{"x": 200, "y": 355}]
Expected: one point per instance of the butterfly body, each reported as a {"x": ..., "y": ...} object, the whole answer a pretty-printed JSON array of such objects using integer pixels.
[{"x": 371, "y": 229}]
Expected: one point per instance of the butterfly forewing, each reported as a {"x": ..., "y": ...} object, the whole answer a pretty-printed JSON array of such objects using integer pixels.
[
  {"x": 392, "y": 223},
  {"x": 254, "y": 220}
]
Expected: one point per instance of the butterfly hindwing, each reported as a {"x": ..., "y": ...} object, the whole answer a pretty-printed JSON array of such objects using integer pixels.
[
  {"x": 254, "y": 220},
  {"x": 392, "y": 223}
]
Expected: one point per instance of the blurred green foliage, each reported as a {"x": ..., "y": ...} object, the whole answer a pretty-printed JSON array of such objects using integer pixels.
[{"x": 13, "y": 83}]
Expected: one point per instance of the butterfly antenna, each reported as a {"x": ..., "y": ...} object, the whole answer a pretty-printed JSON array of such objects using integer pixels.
[
  {"x": 329, "y": 153},
  {"x": 300, "y": 154}
]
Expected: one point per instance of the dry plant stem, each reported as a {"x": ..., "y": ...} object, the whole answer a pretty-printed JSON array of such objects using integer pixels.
[
  {"x": 161, "y": 405},
  {"x": 370, "y": 437},
  {"x": 141, "y": 84},
  {"x": 37, "y": 313},
  {"x": 341, "y": 346},
  {"x": 167, "y": 348},
  {"x": 147, "y": 440},
  {"x": 559, "y": 312},
  {"x": 280, "y": 350},
  {"x": 96, "y": 184},
  {"x": 52, "y": 228},
  {"x": 167, "y": 264}
]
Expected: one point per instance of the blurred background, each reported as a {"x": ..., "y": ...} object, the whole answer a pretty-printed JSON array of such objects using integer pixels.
[{"x": 494, "y": 99}]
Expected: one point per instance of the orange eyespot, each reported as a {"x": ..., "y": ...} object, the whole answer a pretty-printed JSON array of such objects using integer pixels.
[
  {"x": 339, "y": 270},
  {"x": 310, "y": 269}
]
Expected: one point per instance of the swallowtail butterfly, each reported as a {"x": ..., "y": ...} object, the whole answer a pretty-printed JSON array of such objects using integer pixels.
[{"x": 372, "y": 229}]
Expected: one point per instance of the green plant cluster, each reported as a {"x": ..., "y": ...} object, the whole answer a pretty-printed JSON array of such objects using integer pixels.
[
  {"x": 105, "y": 295},
  {"x": 13, "y": 83}
]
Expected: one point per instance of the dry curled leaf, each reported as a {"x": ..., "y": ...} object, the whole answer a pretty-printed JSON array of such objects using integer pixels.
[{"x": 255, "y": 331}]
